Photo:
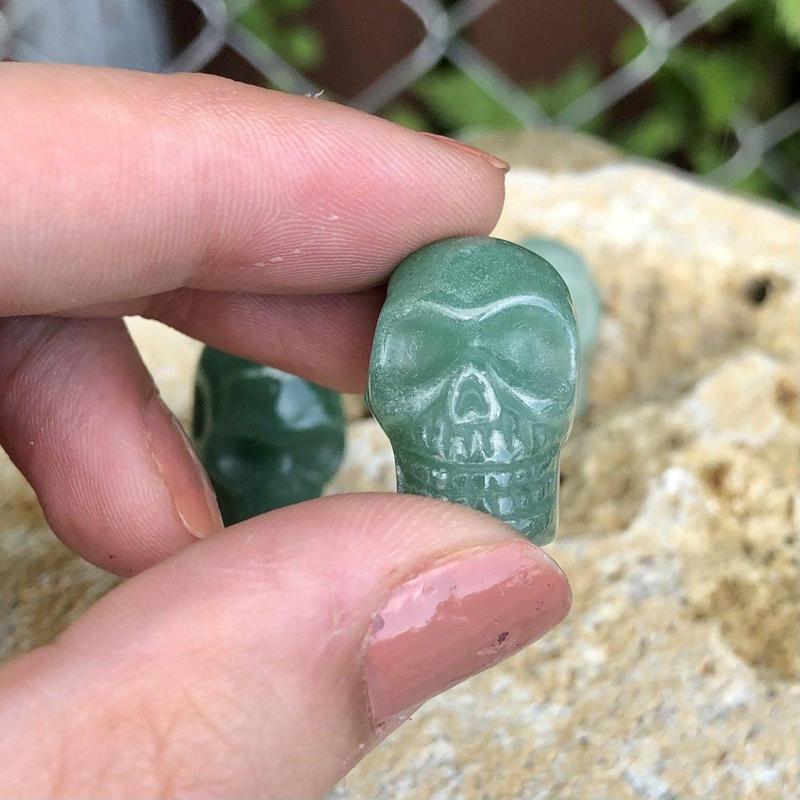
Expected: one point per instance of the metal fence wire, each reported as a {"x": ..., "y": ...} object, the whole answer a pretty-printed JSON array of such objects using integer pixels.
[{"x": 134, "y": 34}]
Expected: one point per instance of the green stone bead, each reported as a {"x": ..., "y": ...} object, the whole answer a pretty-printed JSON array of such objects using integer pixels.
[
  {"x": 585, "y": 298},
  {"x": 473, "y": 377},
  {"x": 267, "y": 439}
]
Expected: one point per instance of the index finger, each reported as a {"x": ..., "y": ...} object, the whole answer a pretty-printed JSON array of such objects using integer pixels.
[{"x": 120, "y": 185}]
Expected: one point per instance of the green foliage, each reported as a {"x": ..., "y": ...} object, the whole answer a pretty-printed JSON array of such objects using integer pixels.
[
  {"x": 273, "y": 22},
  {"x": 696, "y": 96},
  {"x": 554, "y": 97},
  {"x": 788, "y": 14},
  {"x": 654, "y": 134},
  {"x": 455, "y": 101},
  {"x": 744, "y": 65},
  {"x": 746, "y": 69},
  {"x": 404, "y": 113},
  {"x": 447, "y": 100}
]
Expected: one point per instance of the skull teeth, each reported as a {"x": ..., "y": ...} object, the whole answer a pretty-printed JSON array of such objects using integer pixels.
[
  {"x": 476, "y": 448},
  {"x": 527, "y": 437},
  {"x": 511, "y": 440},
  {"x": 507, "y": 427},
  {"x": 505, "y": 505},
  {"x": 500, "y": 451},
  {"x": 457, "y": 451},
  {"x": 508, "y": 494},
  {"x": 498, "y": 481}
]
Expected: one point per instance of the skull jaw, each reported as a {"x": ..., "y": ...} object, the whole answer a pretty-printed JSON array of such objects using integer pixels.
[
  {"x": 539, "y": 530},
  {"x": 519, "y": 494}
]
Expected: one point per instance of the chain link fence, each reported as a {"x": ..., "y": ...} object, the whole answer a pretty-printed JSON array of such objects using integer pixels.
[{"x": 135, "y": 34}]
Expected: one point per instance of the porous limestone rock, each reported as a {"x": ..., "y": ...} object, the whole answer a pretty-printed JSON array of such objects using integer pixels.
[{"x": 677, "y": 675}]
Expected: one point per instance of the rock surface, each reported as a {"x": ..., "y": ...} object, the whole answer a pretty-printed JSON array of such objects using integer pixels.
[{"x": 677, "y": 674}]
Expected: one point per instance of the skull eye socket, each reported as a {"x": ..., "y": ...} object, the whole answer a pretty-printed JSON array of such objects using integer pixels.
[
  {"x": 418, "y": 352},
  {"x": 536, "y": 351}
]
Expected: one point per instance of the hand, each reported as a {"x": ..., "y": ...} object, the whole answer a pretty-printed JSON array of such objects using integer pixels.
[{"x": 266, "y": 660}]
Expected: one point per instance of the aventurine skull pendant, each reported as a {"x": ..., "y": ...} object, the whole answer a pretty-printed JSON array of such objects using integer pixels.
[{"x": 473, "y": 377}]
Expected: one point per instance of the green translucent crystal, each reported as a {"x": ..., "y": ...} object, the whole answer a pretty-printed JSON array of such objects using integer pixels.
[
  {"x": 267, "y": 439},
  {"x": 585, "y": 298},
  {"x": 473, "y": 377}
]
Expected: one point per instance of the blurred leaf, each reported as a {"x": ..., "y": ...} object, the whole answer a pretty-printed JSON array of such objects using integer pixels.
[
  {"x": 656, "y": 134},
  {"x": 576, "y": 81},
  {"x": 458, "y": 102},
  {"x": 303, "y": 47},
  {"x": 300, "y": 45},
  {"x": 788, "y": 15},
  {"x": 759, "y": 183},
  {"x": 403, "y": 114},
  {"x": 286, "y": 7},
  {"x": 631, "y": 43},
  {"x": 718, "y": 81},
  {"x": 259, "y": 21},
  {"x": 706, "y": 154}
]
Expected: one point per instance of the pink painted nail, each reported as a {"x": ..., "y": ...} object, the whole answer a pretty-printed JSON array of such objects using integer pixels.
[
  {"x": 459, "y": 617},
  {"x": 463, "y": 147},
  {"x": 184, "y": 477}
]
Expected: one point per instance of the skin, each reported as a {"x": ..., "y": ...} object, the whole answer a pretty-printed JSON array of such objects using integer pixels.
[{"x": 231, "y": 664}]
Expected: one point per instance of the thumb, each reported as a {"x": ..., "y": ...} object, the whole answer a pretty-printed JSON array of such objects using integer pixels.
[{"x": 267, "y": 660}]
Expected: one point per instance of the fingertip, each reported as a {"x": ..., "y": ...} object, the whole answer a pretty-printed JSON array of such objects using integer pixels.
[{"x": 175, "y": 461}]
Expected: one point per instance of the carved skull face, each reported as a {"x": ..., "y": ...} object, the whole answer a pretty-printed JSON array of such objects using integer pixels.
[
  {"x": 473, "y": 378},
  {"x": 266, "y": 438}
]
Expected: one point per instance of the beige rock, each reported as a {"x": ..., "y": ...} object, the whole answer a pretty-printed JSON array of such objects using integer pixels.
[
  {"x": 678, "y": 673},
  {"x": 368, "y": 463},
  {"x": 354, "y": 406}
]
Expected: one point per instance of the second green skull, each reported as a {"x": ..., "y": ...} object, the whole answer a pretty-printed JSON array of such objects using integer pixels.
[
  {"x": 473, "y": 377},
  {"x": 585, "y": 299},
  {"x": 266, "y": 438}
]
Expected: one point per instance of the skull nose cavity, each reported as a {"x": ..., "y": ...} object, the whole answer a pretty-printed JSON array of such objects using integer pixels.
[{"x": 473, "y": 399}]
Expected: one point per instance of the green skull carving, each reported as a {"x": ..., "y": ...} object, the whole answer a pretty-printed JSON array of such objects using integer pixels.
[
  {"x": 267, "y": 439},
  {"x": 586, "y": 301},
  {"x": 473, "y": 377}
]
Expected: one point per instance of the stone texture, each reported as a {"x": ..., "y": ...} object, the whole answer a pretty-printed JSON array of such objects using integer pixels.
[{"x": 678, "y": 673}]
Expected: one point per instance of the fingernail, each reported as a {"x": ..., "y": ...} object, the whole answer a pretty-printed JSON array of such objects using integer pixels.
[
  {"x": 183, "y": 475},
  {"x": 496, "y": 162},
  {"x": 459, "y": 617}
]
